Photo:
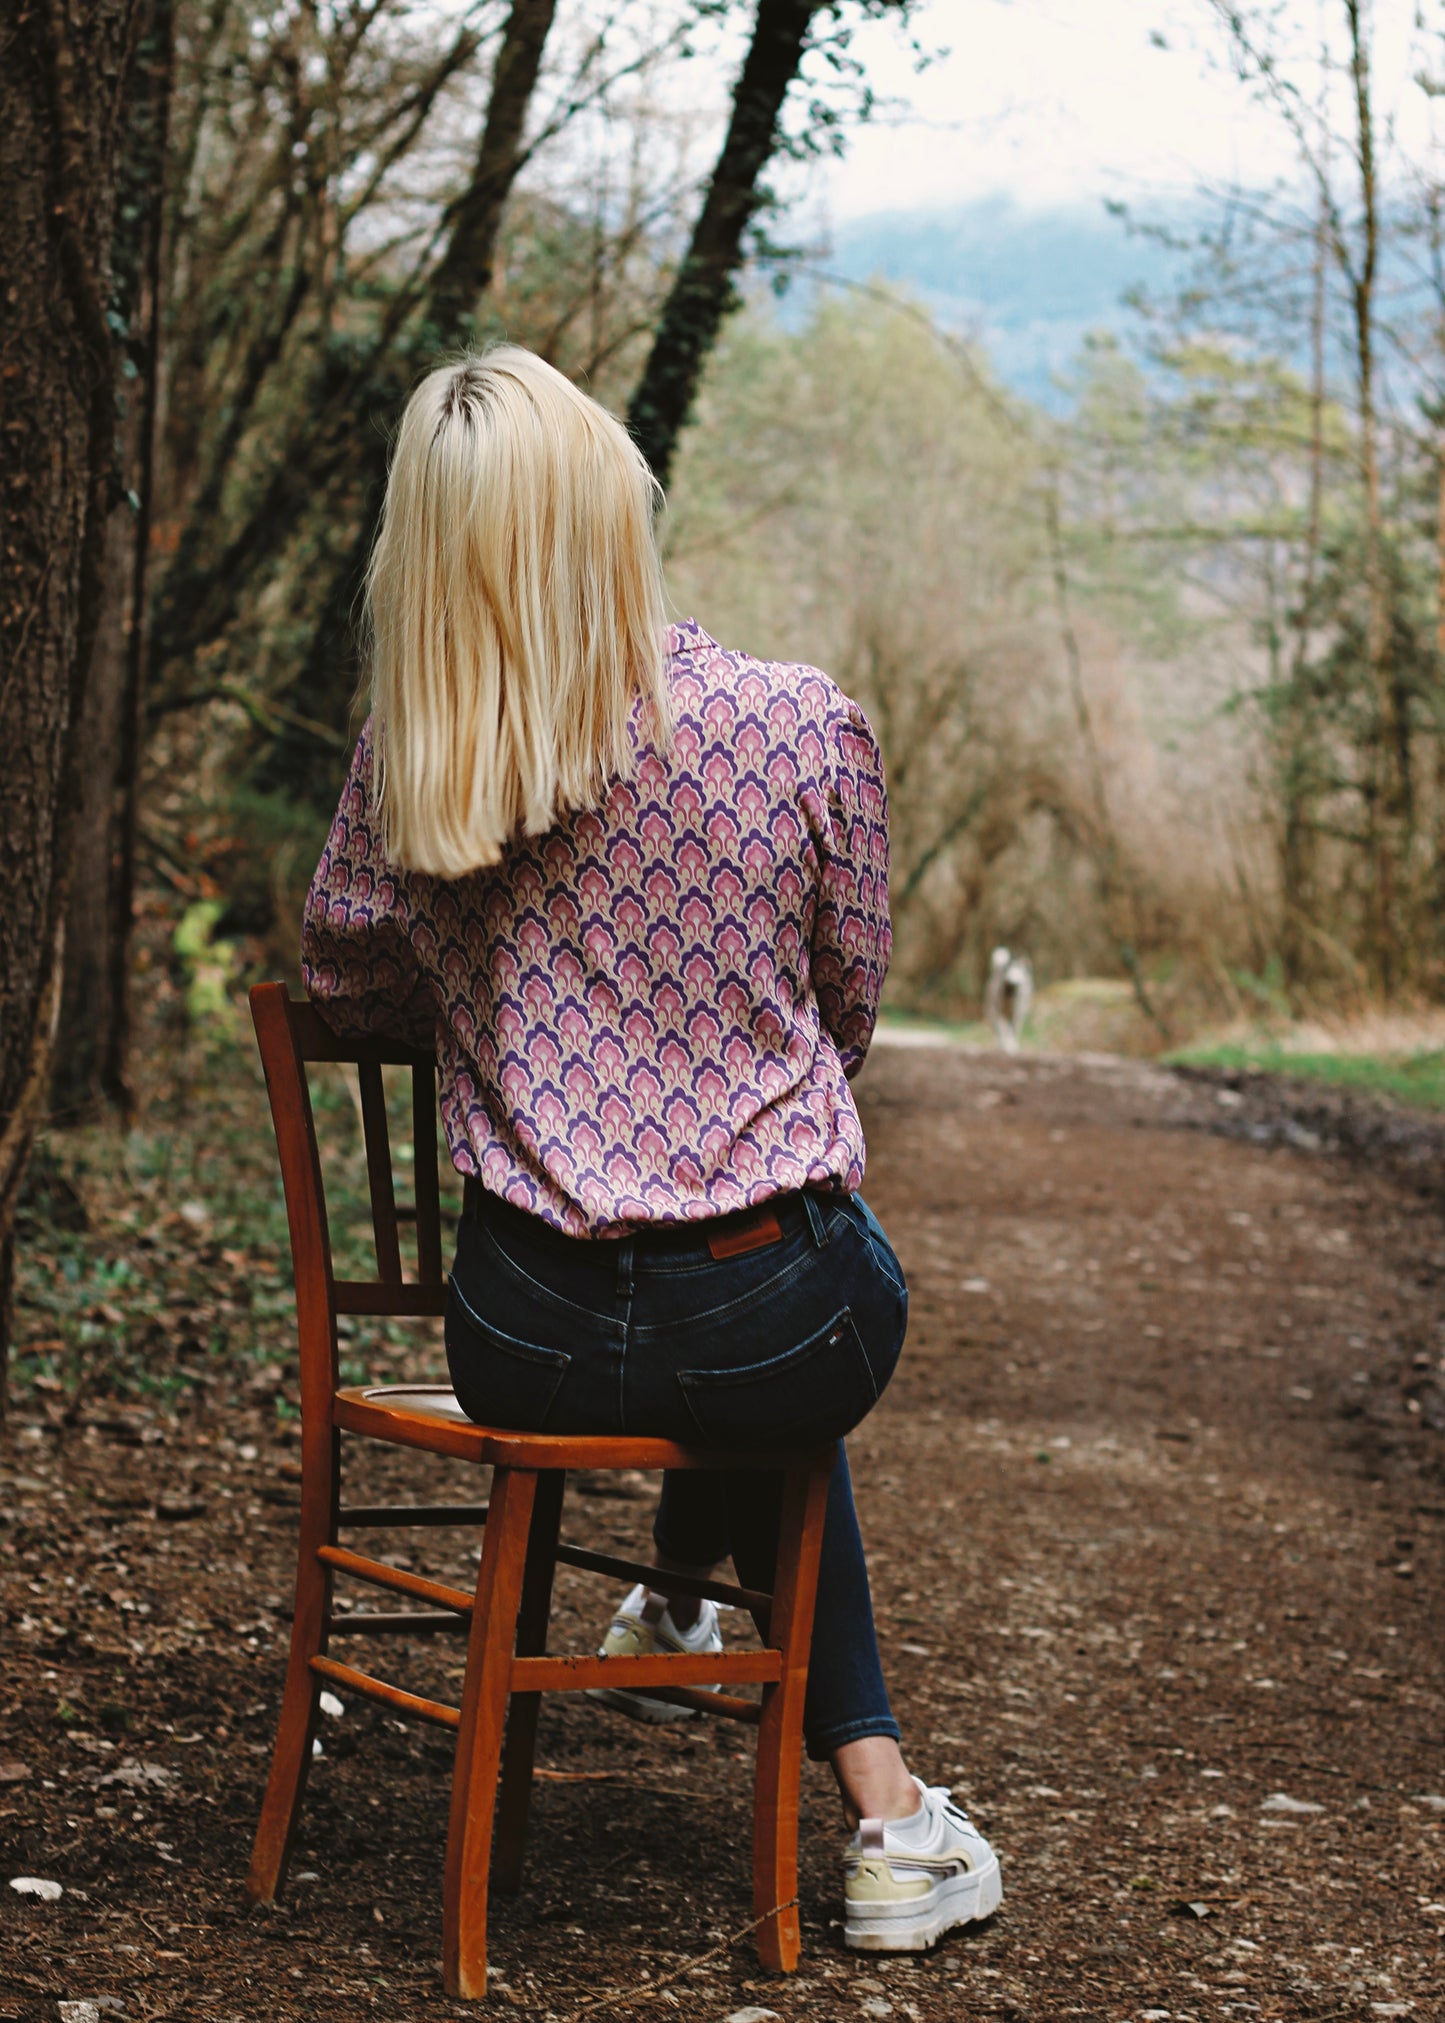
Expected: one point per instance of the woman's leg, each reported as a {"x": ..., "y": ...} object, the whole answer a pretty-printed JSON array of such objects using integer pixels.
[
  {"x": 846, "y": 1716},
  {"x": 690, "y": 1532},
  {"x": 691, "y": 1525}
]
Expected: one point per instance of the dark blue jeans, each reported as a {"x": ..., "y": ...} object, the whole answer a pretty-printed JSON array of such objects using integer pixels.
[{"x": 788, "y": 1345}]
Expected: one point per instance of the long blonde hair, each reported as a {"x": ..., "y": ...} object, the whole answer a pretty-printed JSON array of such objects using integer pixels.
[{"x": 515, "y": 609}]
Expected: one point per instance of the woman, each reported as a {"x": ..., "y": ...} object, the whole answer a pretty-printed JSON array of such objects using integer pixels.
[{"x": 634, "y": 890}]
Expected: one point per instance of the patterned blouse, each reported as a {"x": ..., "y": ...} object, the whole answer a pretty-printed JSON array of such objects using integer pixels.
[{"x": 650, "y": 1013}]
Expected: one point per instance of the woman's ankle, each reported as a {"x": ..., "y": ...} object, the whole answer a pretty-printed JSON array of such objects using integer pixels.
[
  {"x": 873, "y": 1780},
  {"x": 684, "y": 1609}
]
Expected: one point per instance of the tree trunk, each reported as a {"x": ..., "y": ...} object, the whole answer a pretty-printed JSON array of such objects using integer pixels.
[
  {"x": 1296, "y": 757},
  {"x": 90, "y": 1065},
  {"x": 1116, "y": 887},
  {"x": 703, "y": 291},
  {"x": 62, "y": 90},
  {"x": 86, "y": 1010},
  {"x": 1389, "y": 786},
  {"x": 465, "y": 272}
]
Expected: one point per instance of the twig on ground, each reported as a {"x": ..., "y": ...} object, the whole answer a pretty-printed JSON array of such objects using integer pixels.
[{"x": 624, "y": 1997}]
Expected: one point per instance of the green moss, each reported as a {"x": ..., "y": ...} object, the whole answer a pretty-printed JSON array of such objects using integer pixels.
[{"x": 1417, "y": 1079}]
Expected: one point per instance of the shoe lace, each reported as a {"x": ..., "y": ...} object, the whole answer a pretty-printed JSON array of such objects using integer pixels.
[{"x": 949, "y": 1805}]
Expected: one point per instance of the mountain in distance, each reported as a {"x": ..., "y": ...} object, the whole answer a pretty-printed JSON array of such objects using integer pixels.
[{"x": 1031, "y": 284}]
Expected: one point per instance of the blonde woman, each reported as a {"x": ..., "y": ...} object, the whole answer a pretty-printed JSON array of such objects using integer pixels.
[{"x": 633, "y": 887}]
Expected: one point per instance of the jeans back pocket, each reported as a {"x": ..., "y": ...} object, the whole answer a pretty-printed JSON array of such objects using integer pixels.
[
  {"x": 814, "y": 1392},
  {"x": 499, "y": 1380}
]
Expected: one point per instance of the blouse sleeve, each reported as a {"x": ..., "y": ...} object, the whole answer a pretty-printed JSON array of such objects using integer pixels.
[
  {"x": 357, "y": 960},
  {"x": 852, "y": 939}
]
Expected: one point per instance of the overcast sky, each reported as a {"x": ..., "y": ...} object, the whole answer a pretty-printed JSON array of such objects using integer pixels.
[{"x": 1058, "y": 100}]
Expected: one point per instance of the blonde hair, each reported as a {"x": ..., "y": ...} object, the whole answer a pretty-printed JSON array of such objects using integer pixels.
[{"x": 515, "y": 609}]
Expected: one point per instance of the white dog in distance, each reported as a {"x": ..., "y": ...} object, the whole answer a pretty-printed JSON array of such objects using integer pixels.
[{"x": 1007, "y": 999}]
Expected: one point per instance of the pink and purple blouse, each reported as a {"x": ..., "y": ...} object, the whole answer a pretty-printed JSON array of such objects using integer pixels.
[{"x": 650, "y": 1013}]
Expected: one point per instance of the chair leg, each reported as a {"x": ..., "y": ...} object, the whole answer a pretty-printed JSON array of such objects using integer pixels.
[
  {"x": 515, "y": 1796},
  {"x": 291, "y": 1756},
  {"x": 780, "y": 1733},
  {"x": 490, "y": 1650}
]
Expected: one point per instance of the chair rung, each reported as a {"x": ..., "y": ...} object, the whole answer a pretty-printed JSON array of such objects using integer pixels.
[
  {"x": 388, "y": 1696},
  {"x": 412, "y": 1513},
  {"x": 415, "y": 1622},
  {"x": 575, "y": 1675},
  {"x": 626, "y": 1569},
  {"x": 726, "y": 1706},
  {"x": 379, "y": 1574},
  {"x": 372, "y": 1296}
]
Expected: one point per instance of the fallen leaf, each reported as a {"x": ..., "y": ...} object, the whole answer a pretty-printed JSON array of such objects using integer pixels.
[{"x": 136, "y": 1776}]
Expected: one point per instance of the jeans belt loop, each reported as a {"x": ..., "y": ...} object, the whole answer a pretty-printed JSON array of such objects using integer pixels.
[{"x": 816, "y": 1223}]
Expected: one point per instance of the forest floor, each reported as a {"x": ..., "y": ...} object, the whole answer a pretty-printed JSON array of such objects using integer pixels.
[{"x": 1155, "y": 1509}]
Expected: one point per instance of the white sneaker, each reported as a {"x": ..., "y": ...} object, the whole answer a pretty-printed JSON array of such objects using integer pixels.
[
  {"x": 641, "y": 1627},
  {"x": 907, "y": 1882}
]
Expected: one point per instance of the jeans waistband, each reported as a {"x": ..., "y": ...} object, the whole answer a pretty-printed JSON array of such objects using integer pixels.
[{"x": 794, "y": 1212}]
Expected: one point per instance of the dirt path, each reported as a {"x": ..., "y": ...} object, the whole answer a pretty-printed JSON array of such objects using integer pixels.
[{"x": 1155, "y": 1510}]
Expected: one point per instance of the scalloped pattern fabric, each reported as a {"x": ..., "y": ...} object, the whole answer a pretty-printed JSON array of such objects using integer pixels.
[{"x": 650, "y": 1013}]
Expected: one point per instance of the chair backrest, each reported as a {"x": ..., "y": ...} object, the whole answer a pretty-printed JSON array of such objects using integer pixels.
[{"x": 291, "y": 1035}]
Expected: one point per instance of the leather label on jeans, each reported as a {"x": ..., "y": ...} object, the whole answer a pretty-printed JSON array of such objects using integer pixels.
[{"x": 755, "y": 1234}]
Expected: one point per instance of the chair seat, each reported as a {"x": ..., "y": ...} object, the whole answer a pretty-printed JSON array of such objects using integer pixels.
[{"x": 429, "y": 1416}]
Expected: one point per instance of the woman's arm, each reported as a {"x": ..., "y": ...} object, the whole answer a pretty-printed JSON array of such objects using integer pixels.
[
  {"x": 852, "y": 939},
  {"x": 358, "y": 963}
]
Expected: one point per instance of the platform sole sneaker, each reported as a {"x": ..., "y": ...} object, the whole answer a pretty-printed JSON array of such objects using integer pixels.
[
  {"x": 906, "y": 1884},
  {"x": 918, "y": 1922},
  {"x": 643, "y": 1628}
]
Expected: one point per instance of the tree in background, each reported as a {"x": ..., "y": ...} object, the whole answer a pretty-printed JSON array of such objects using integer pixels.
[
  {"x": 243, "y": 237},
  {"x": 1043, "y": 616},
  {"x": 339, "y": 216},
  {"x": 393, "y": 267},
  {"x": 65, "y": 105},
  {"x": 1298, "y": 297},
  {"x": 860, "y": 491},
  {"x": 90, "y": 1066},
  {"x": 703, "y": 289}
]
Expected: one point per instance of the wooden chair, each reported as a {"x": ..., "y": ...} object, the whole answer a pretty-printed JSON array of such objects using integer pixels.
[{"x": 506, "y": 1619}]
